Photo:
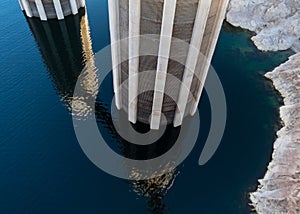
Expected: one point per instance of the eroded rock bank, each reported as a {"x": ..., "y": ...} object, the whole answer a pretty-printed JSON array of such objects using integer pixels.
[
  {"x": 276, "y": 22},
  {"x": 277, "y": 27},
  {"x": 279, "y": 190}
]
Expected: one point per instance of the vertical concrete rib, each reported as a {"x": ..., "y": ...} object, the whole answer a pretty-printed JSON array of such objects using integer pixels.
[
  {"x": 113, "y": 7},
  {"x": 58, "y": 10},
  {"x": 134, "y": 45},
  {"x": 41, "y": 10},
  {"x": 192, "y": 59},
  {"x": 27, "y": 8},
  {"x": 213, "y": 42},
  {"x": 21, "y": 5},
  {"x": 163, "y": 60},
  {"x": 74, "y": 7},
  {"x": 82, "y": 3}
]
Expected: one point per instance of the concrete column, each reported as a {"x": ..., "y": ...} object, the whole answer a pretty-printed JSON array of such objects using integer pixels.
[
  {"x": 58, "y": 9},
  {"x": 192, "y": 59},
  {"x": 134, "y": 45},
  {"x": 82, "y": 3},
  {"x": 21, "y": 5},
  {"x": 163, "y": 60},
  {"x": 113, "y": 7},
  {"x": 74, "y": 7},
  {"x": 41, "y": 10},
  {"x": 27, "y": 8},
  {"x": 213, "y": 42}
]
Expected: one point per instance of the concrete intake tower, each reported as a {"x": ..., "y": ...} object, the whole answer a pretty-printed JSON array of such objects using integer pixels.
[
  {"x": 51, "y": 9},
  {"x": 197, "y": 22}
]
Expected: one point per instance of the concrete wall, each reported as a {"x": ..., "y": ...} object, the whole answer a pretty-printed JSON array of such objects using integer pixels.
[{"x": 198, "y": 22}]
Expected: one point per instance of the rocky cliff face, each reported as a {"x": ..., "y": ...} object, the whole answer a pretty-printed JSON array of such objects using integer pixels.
[
  {"x": 276, "y": 22},
  {"x": 279, "y": 191}
]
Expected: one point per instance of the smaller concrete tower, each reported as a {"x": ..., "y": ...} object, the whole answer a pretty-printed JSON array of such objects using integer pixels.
[{"x": 51, "y": 9}]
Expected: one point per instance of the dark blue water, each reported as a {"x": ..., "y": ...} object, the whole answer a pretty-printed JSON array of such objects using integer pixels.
[{"x": 42, "y": 168}]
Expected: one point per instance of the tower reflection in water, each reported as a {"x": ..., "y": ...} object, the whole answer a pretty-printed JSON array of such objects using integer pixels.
[{"x": 66, "y": 48}]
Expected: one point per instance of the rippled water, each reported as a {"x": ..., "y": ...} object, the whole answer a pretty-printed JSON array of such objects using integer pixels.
[{"x": 42, "y": 168}]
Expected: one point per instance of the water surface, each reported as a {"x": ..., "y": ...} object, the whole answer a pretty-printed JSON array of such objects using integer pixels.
[{"x": 42, "y": 168}]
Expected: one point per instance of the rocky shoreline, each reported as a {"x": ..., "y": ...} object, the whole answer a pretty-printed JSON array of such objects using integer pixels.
[
  {"x": 279, "y": 190},
  {"x": 277, "y": 27},
  {"x": 276, "y": 22}
]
